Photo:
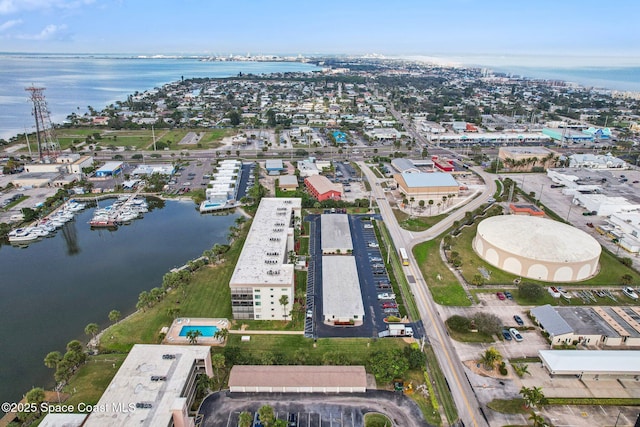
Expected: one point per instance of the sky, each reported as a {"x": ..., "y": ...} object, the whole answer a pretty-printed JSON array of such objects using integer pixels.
[{"x": 573, "y": 30}]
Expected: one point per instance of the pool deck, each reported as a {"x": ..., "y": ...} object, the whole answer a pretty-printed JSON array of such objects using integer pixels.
[{"x": 173, "y": 334}]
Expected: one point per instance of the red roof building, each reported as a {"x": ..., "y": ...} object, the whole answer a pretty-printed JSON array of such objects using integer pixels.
[
  {"x": 445, "y": 165},
  {"x": 321, "y": 188}
]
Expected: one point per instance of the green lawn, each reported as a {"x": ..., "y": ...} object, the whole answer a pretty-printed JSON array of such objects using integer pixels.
[
  {"x": 304, "y": 245},
  {"x": 376, "y": 420},
  {"x": 611, "y": 270},
  {"x": 444, "y": 286},
  {"x": 208, "y": 295},
  {"x": 441, "y": 387},
  {"x": 415, "y": 223},
  {"x": 508, "y": 406},
  {"x": 92, "y": 379}
]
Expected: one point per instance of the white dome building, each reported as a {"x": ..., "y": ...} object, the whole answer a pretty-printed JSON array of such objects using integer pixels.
[{"x": 537, "y": 248}]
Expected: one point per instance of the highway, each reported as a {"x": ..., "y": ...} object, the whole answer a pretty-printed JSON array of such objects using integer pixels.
[{"x": 463, "y": 395}]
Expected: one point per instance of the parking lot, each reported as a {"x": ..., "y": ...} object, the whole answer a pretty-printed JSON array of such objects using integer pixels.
[
  {"x": 311, "y": 410},
  {"x": 377, "y": 294}
]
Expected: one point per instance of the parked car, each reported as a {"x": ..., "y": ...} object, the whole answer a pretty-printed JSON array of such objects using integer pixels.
[
  {"x": 390, "y": 311},
  {"x": 375, "y": 259},
  {"x": 515, "y": 334},
  {"x": 500, "y": 296},
  {"x": 389, "y": 305},
  {"x": 377, "y": 266},
  {"x": 309, "y": 314},
  {"x": 630, "y": 292},
  {"x": 506, "y": 335},
  {"x": 384, "y": 285},
  {"x": 386, "y": 295},
  {"x": 368, "y": 226},
  {"x": 373, "y": 245},
  {"x": 518, "y": 320},
  {"x": 508, "y": 295}
]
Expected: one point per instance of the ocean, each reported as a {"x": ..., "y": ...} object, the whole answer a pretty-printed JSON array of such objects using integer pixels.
[{"x": 74, "y": 82}]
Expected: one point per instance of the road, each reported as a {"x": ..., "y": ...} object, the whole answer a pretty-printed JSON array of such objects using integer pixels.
[{"x": 463, "y": 394}]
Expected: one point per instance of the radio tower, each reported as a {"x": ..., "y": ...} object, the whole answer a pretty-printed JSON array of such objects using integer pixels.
[{"x": 48, "y": 145}]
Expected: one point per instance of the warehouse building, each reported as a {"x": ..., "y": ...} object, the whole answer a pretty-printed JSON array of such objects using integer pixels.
[
  {"x": 297, "y": 379},
  {"x": 335, "y": 234},
  {"x": 341, "y": 296}
]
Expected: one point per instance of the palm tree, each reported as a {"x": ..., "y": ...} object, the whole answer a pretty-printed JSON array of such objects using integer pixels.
[
  {"x": 221, "y": 334},
  {"x": 245, "y": 419},
  {"x": 52, "y": 359},
  {"x": 490, "y": 357},
  {"x": 532, "y": 396},
  {"x": 411, "y": 200},
  {"x": 538, "y": 420},
  {"x": 92, "y": 329},
  {"x": 430, "y": 202},
  {"x": 193, "y": 335},
  {"x": 521, "y": 369},
  {"x": 284, "y": 301},
  {"x": 36, "y": 395},
  {"x": 114, "y": 316}
]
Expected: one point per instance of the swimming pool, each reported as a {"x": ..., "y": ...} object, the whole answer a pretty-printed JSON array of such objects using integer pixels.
[{"x": 207, "y": 331}]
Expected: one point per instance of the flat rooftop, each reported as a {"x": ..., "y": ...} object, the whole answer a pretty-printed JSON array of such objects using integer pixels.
[
  {"x": 300, "y": 376},
  {"x": 335, "y": 232},
  {"x": 264, "y": 259},
  {"x": 436, "y": 179},
  {"x": 585, "y": 321},
  {"x": 341, "y": 296},
  {"x": 576, "y": 362},
  {"x": 137, "y": 382}
]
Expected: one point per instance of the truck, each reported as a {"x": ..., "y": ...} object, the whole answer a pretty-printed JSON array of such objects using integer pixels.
[{"x": 396, "y": 330}]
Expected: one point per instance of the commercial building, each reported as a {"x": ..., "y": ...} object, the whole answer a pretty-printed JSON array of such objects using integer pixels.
[
  {"x": 598, "y": 326},
  {"x": 109, "y": 169},
  {"x": 525, "y": 209},
  {"x": 335, "y": 234},
  {"x": 263, "y": 273},
  {"x": 159, "y": 381},
  {"x": 537, "y": 248},
  {"x": 515, "y": 156},
  {"x": 596, "y": 161},
  {"x": 341, "y": 296},
  {"x": 426, "y": 184},
  {"x": 592, "y": 365},
  {"x": 322, "y": 189},
  {"x": 404, "y": 165},
  {"x": 149, "y": 169},
  {"x": 307, "y": 168},
  {"x": 297, "y": 379},
  {"x": 603, "y": 205},
  {"x": 288, "y": 182},
  {"x": 491, "y": 138},
  {"x": 274, "y": 166},
  {"x": 568, "y": 136},
  {"x": 626, "y": 228}
]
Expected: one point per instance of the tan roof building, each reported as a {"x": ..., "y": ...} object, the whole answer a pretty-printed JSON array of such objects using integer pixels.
[{"x": 298, "y": 379}]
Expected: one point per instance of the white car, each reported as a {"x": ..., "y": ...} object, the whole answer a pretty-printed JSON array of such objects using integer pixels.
[
  {"x": 630, "y": 292},
  {"x": 386, "y": 295},
  {"x": 515, "y": 334},
  {"x": 373, "y": 245},
  {"x": 368, "y": 226}
]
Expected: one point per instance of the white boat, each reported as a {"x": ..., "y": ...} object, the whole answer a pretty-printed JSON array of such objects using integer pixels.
[{"x": 22, "y": 235}]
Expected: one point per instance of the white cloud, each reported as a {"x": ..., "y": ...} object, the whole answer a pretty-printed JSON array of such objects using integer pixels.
[
  {"x": 14, "y": 6},
  {"x": 5, "y": 26},
  {"x": 49, "y": 32}
]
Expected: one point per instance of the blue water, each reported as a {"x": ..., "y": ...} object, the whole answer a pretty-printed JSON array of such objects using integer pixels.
[
  {"x": 75, "y": 82},
  {"x": 616, "y": 78},
  {"x": 51, "y": 290},
  {"x": 207, "y": 331}
]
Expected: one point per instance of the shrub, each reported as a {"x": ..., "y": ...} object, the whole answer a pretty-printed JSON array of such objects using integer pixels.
[
  {"x": 458, "y": 323},
  {"x": 502, "y": 368}
]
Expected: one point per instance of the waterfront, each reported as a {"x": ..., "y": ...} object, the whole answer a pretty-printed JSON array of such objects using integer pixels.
[
  {"x": 55, "y": 287},
  {"x": 75, "y": 82}
]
